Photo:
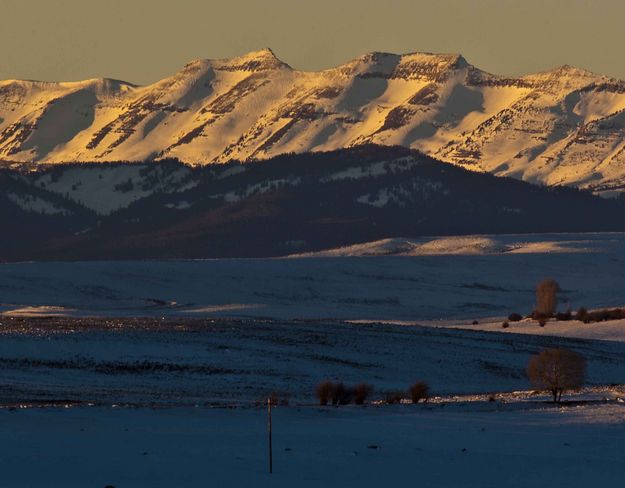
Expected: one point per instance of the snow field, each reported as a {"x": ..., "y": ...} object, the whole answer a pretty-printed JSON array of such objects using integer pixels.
[{"x": 366, "y": 447}]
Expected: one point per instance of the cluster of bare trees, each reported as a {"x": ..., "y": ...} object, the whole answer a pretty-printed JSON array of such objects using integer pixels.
[
  {"x": 547, "y": 308},
  {"x": 555, "y": 370},
  {"x": 336, "y": 393}
]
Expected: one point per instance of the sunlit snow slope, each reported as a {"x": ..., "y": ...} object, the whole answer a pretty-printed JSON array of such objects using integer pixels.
[{"x": 564, "y": 126}]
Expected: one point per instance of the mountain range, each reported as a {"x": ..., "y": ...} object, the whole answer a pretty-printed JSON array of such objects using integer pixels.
[{"x": 561, "y": 127}]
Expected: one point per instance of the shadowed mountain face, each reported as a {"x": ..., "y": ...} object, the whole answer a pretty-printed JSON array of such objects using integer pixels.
[
  {"x": 288, "y": 204},
  {"x": 561, "y": 127}
]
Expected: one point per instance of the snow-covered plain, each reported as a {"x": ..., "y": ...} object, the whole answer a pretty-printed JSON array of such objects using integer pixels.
[
  {"x": 613, "y": 330},
  {"x": 186, "y": 362},
  {"x": 150, "y": 373},
  {"x": 351, "y": 447},
  {"x": 103, "y": 402},
  {"x": 481, "y": 276}
]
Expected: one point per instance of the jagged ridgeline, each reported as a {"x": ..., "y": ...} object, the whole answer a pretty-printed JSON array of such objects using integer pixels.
[
  {"x": 288, "y": 204},
  {"x": 561, "y": 127}
]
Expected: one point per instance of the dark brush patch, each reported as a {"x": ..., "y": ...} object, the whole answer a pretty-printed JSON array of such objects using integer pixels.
[
  {"x": 20, "y": 133},
  {"x": 327, "y": 92},
  {"x": 342, "y": 361},
  {"x": 425, "y": 96},
  {"x": 116, "y": 367},
  {"x": 295, "y": 112},
  {"x": 397, "y": 118},
  {"x": 347, "y": 120},
  {"x": 275, "y": 137},
  {"x": 192, "y": 134},
  {"x": 12, "y": 92},
  {"x": 9, "y": 132},
  {"x": 251, "y": 134},
  {"x": 226, "y": 103},
  {"x": 305, "y": 111},
  {"x": 137, "y": 114},
  {"x": 476, "y": 77},
  {"x": 612, "y": 87},
  {"x": 466, "y": 156},
  {"x": 127, "y": 122},
  {"x": 266, "y": 64},
  {"x": 97, "y": 138},
  {"x": 432, "y": 70}
]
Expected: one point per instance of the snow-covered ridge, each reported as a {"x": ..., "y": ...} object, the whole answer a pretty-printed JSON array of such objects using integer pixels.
[
  {"x": 563, "y": 126},
  {"x": 469, "y": 246}
]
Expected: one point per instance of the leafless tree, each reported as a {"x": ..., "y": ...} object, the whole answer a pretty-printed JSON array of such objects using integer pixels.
[
  {"x": 324, "y": 392},
  {"x": 419, "y": 391},
  {"x": 547, "y": 297},
  {"x": 557, "y": 370},
  {"x": 361, "y": 392}
]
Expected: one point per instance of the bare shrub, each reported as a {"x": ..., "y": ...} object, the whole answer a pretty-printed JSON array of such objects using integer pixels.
[
  {"x": 598, "y": 316},
  {"x": 475, "y": 322},
  {"x": 581, "y": 314},
  {"x": 324, "y": 392},
  {"x": 361, "y": 392},
  {"x": 419, "y": 391},
  {"x": 605, "y": 314},
  {"x": 505, "y": 324},
  {"x": 547, "y": 296},
  {"x": 564, "y": 316},
  {"x": 515, "y": 317},
  {"x": 542, "y": 322},
  {"x": 393, "y": 397},
  {"x": 536, "y": 315},
  {"x": 557, "y": 370}
]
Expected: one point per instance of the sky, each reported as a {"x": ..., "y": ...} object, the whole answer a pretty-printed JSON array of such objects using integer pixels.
[{"x": 142, "y": 41}]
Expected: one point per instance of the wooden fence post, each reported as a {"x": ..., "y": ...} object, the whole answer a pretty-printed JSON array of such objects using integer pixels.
[{"x": 269, "y": 428}]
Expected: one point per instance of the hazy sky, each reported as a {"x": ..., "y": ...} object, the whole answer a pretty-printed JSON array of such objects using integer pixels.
[{"x": 142, "y": 41}]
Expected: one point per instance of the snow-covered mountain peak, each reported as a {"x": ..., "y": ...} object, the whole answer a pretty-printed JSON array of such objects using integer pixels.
[
  {"x": 411, "y": 66},
  {"x": 372, "y": 64},
  {"x": 446, "y": 60},
  {"x": 570, "y": 70},
  {"x": 562, "y": 126},
  {"x": 428, "y": 66},
  {"x": 105, "y": 86},
  {"x": 261, "y": 60},
  {"x": 565, "y": 78},
  {"x": 263, "y": 53}
]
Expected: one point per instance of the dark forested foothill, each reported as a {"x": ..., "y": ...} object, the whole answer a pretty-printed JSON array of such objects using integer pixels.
[{"x": 288, "y": 204}]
